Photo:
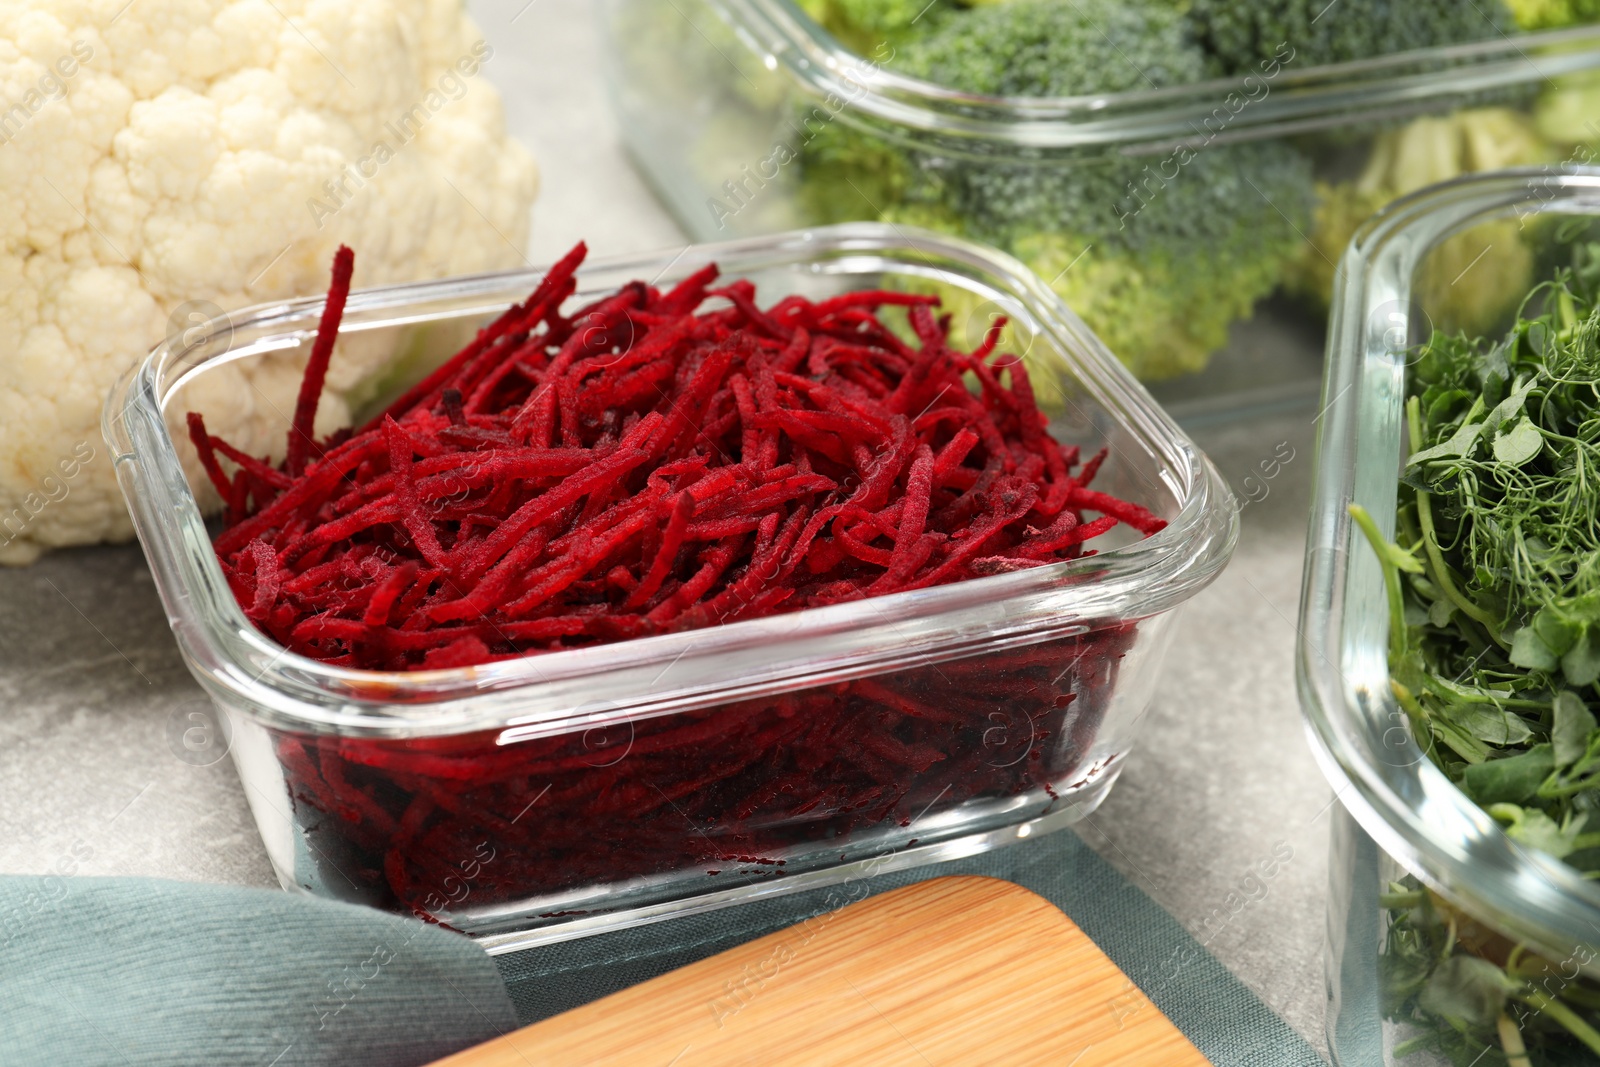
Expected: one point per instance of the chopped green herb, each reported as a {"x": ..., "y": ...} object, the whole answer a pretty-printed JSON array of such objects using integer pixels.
[{"x": 1493, "y": 587}]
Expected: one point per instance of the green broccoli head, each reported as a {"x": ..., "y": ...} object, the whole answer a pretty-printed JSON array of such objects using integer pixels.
[
  {"x": 1163, "y": 280},
  {"x": 1165, "y": 251},
  {"x": 851, "y": 173},
  {"x": 864, "y": 25},
  {"x": 1157, "y": 255},
  {"x": 1055, "y": 48},
  {"x": 1238, "y": 35},
  {"x": 883, "y": 16},
  {"x": 1553, "y": 14},
  {"x": 1161, "y": 314}
]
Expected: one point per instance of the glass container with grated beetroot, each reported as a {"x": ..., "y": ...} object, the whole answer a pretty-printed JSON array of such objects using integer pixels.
[{"x": 657, "y": 594}]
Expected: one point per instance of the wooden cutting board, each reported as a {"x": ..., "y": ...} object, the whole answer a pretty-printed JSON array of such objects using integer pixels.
[{"x": 949, "y": 971}]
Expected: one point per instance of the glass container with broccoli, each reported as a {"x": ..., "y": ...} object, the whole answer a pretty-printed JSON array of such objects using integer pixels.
[{"x": 1163, "y": 164}]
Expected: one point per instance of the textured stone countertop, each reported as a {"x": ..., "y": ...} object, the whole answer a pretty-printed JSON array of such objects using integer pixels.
[{"x": 93, "y": 691}]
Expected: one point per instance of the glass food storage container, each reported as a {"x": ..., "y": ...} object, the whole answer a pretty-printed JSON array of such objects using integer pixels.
[
  {"x": 1162, "y": 216},
  {"x": 1424, "y": 883},
  {"x": 619, "y": 783}
]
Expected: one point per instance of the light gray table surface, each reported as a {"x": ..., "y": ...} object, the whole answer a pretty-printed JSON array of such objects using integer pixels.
[{"x": 92, "y": 690}]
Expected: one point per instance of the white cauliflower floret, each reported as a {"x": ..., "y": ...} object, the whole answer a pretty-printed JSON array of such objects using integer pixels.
[{"x": 217, "y": 152}]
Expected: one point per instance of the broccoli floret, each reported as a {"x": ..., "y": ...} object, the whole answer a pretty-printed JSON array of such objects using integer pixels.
[
  {"x": 1146, "y": 309},
  {"x": 1158, "y": 254},
  {"x": 1553, "y": 14},
  {"x": 882, "y": 16},
  {"x": 865, "y": 25},
  {"x": 1461, "y": 286},
  {"x": 1164, "y": 280},
  {"x": 1161, "y": 312},
  {"x": 1239, "y": 35},
  {"x": 852, "y": 174},
  {"x": 1159, "y": 275},
  {"x": 1056, "y": 48}
]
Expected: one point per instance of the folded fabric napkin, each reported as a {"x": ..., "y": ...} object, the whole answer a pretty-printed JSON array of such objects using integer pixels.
[
  {"x": 137, "y": 972},
  {"x": 127, "y": 971}
]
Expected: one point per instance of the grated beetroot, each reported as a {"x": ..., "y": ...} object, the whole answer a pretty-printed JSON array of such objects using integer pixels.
[{"x": 643, "y": 466}]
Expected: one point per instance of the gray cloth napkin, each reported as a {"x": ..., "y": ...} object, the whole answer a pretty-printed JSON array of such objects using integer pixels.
[
  {"x": 135, "y": 972},
  {"x": 1227, "y": 1022}
]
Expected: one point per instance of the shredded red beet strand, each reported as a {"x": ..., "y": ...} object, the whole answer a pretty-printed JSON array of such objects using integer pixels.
[{"x": 643, "y": 466}]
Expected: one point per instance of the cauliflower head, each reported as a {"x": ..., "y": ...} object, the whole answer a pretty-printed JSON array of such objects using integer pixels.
[{"x": 167, "y": 157}]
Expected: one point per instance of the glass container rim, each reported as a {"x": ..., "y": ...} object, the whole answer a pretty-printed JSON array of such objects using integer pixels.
[
  {"x": 240, "y": 665},
  {"x": 1148, "y": 120}
]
